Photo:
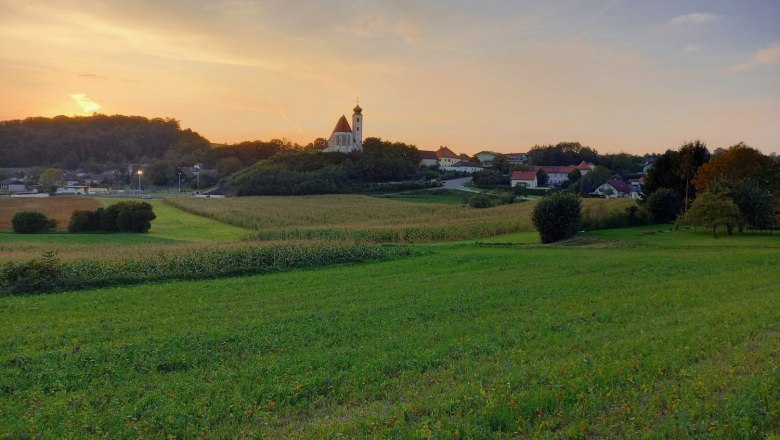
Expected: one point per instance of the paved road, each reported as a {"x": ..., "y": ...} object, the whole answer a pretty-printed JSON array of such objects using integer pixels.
[{"x": 458, "y": 184}]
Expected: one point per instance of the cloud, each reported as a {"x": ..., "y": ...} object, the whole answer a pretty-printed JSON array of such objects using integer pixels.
[
  {"x": 764, "y": 57},
  {"x": 87, "y": 105},
  {"x": 695, "y": 18}
]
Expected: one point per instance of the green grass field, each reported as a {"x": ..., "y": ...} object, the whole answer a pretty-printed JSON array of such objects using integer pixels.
[
  {"x": 667, "y": 335},
  {"x": 172, "y": 229}
]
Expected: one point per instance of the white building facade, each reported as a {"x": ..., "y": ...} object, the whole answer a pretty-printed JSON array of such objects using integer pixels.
[{"x": 346, "y": 139}]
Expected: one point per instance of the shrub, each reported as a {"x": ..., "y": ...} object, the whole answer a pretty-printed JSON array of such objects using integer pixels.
[
  {"x": 38, "y": 274},
  {"x": 119, "y": 217},
  {"x": 135, "y": 217},
  {"x": 557, "y": 217},
  {"x": 480, "y": 201},
  {"x": 29, "y": 222},
  {"x": 108, "y": 219},
  {"x": 85, "y": 221},
  {"x": 664, "y": 204}
]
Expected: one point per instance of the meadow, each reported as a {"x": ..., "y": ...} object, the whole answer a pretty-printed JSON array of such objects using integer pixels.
[
  {"x": 174, "y": 231},
  {"x": 624, "y": 333}
]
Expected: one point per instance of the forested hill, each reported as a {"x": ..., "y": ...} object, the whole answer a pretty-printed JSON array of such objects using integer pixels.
[{"x": 71, "y": 142}]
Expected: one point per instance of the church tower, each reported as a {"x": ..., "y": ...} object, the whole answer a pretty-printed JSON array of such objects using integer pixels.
[{"x": 357, "y": 126}]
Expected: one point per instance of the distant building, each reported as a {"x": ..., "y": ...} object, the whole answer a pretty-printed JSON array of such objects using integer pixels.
[
  {"x": 12, "y": 186},
  {"x": 525, "y": 179},
  {"x": 446, "y": 157},
  {"x": 344, "y": 139},
  {"x": 517, "y": 158},
  {"x": 556, "y": 175},
  {"x": 613, "y": 189},
  {"x": 428, "y": 158},
  {"x": 464, "y": 167}
]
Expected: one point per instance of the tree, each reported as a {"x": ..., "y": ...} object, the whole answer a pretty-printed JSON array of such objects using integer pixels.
[
  {"x": 50, "y": 179},
  {"x": 574, "y": 175},
  {"x": 161, "y": 172},
  {"x": 557, "y": 217},
  {"x": 675, "y": 169},
  {"x": 228, "y": 166},
  {"x": 712, "y": 210},
  {"x": 501, "y": 163},
  {"x": 736, "y": 163},
  {"x": 30, "y": 222},
  {"x": 756, "y": 204},
  {"x": 664, "y": 205},
  {"x": 541, "y": 177}
]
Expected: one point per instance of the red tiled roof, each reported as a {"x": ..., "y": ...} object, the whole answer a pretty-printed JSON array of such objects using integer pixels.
[
  {"x": 523, "y": 175},
  {"x": 620, "y": 186},
  {"x": 342, "y": 126},
  {"x": 583, "y": 166},
  {"x": 446, "y": 152}
]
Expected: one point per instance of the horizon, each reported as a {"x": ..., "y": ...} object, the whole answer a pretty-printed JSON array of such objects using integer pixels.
[{"x": 616, "y": 77}]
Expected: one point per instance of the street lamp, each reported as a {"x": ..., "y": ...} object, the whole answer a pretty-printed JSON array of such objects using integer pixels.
[
  {"x": 140, "y": 172},
  {"x": 179, "y": 181}
]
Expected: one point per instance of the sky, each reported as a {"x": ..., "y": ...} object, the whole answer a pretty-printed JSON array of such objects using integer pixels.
[{"x": 501, "y": 75}]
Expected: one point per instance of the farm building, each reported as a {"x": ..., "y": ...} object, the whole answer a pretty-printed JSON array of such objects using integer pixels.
[
  {"x": 614, "y": 189},
  {"x": 525, "y": 179}
]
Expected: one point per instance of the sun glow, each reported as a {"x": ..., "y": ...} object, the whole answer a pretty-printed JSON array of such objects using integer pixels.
[{"x": 87, "y": 105}]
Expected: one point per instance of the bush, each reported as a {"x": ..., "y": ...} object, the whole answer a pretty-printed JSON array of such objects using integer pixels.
[
  {"x": 29, "y": 222},
  {"x": 557, "y": 217},
  {"x": 664, "y": 204},
  {"x": 119, "y": 217},
  {"x": 480, "y": 201},
  {"x": 135, "y": 217},
  {"x": 85, "y": 221}
]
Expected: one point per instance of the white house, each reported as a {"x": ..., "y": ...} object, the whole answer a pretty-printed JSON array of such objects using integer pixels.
[
  {"x": 556, "y": 175},
  {"x": 428, "y": 158},
  {"x": 486, "y": 157},
  {"x": 446, "y": 157},
  {"x": 525, "y": 179},
  {"x": 613, "y": 189},
  {"x": 12, "y": 186},
  {"x": 344, "y": 139},
  {"x": 517, "y": 158}
]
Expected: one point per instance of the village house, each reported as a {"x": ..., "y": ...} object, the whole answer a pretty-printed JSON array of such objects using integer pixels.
[
  {"x": 614, "y": 189},
  {"x": 524, "y": 179},
  {"x": 12, "y": 186},
  {"x": 446, "y": 157},
  {"x": 556, "y": 175},
  {"x": 517, "y": 158},
  {"x": 428, "y": 158}
]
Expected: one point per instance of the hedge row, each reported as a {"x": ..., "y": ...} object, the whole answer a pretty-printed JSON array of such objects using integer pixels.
[{"x": 48, "y": 273}]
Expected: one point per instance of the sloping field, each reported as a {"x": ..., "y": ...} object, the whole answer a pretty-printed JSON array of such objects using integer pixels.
[
  {"x": 172, "y": 231},
  {"x": 58, "y": 208},
  {"x": 671, "y": 334},
  {"x": 360, "y": 218}
]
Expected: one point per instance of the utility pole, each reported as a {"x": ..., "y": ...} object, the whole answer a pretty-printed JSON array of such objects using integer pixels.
[{"x": 179, "y": 181}]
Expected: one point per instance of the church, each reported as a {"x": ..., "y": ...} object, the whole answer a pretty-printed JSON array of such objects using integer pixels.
[{"x": 345, "y": 139}]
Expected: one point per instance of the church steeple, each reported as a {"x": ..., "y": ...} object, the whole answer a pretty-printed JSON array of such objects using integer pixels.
[{"x": 357, "y": 125}]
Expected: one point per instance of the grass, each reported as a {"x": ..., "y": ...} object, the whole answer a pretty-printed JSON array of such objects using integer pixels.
[
  {"x": 435, "y": 196},
  {"x": 173, "y": 230},
  {"x": 672, "y": 335}
]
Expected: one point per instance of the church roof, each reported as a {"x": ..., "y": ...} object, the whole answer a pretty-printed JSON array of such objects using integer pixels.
[
  {"x": 446, "y": 152},
  {"x": 342, "y": 126},
  {"x": 357, "y": 109}
]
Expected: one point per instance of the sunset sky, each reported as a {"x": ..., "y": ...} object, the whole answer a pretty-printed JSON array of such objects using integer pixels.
[{"x": 616, "y": 75}]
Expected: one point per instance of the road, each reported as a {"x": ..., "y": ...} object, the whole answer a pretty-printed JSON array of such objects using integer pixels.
[{"x": 458, "y": 184}]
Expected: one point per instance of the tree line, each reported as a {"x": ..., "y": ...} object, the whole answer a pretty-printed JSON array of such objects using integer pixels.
[
  {"x": 737, "y": 187},
  {"x": 307, "y": 171}
]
